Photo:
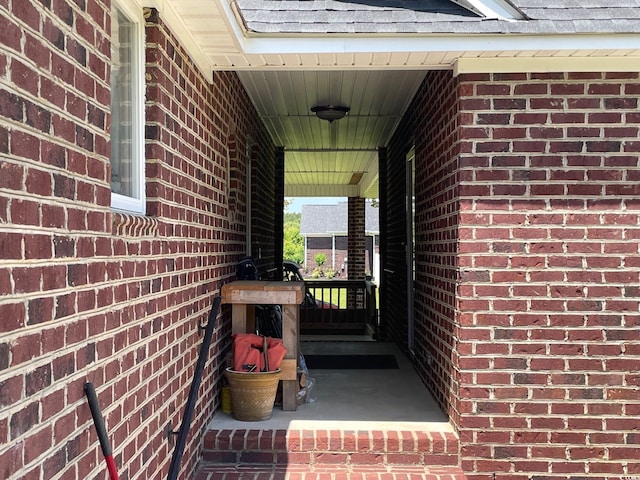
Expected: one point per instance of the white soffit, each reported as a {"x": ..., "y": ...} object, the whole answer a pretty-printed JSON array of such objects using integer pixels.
[{"x": 173, "y": 15}]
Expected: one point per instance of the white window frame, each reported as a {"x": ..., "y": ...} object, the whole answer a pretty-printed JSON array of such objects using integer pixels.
[{"x": 137, "y": 202}]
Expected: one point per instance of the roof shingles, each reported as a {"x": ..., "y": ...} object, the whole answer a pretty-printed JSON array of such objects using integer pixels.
[
  {"x": 437, "y": 16},
  {"x": 325, "y": 220}
]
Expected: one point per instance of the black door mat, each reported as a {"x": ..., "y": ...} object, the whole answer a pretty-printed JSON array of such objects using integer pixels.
[
  {"x": 331, "y": 331},
  {"x": 353, "y": 362}
]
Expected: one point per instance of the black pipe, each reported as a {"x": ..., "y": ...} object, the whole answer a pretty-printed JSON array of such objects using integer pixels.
[{"x": 174, "y": 468}]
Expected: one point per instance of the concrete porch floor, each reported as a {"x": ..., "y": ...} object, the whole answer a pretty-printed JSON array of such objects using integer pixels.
[
  {"x": 361, "y": 425},
  {"x": 392, "y": 399}
]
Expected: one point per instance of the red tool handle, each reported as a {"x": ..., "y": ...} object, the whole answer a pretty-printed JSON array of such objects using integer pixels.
[{"x": 98, "y": 421}]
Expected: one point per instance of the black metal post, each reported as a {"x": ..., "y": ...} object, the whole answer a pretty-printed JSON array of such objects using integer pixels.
[{"x": 174, "y": 468}]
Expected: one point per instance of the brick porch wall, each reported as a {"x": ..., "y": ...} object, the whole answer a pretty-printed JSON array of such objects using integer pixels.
[
  {"x": 384, "y": 299},
  {"x": 88, "y": 295},
  {"x": 430, "y": 126},
  {"x": 535, "y": 310},
  {"x": 436, "y": 237},
  {"x": 548, "y": 292},
  {"x": 266, "y": 216}
]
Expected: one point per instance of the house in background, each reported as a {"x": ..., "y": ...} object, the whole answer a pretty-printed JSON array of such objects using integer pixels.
[
  {"x": 324, "y": 229},
  {"x": 147, "y": 145}
]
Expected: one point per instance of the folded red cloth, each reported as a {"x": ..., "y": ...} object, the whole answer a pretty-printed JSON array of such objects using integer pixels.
[{"x": 248, "y": 352}]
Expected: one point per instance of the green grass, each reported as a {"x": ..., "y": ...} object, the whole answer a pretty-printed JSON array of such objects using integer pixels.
[{"x": 336, "y": 296}]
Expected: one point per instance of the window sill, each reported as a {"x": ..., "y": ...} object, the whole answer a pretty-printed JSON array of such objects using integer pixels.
[{"x": 127, "y": 225}]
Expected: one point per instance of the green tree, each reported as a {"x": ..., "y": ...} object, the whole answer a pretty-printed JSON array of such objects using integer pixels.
[
  {"x": 293, "y": 241},
  {"x": 320, "y": 259}
]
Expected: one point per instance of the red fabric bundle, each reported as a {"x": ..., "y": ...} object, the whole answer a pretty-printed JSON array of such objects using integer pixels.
[{"x": 248, "y": 350}]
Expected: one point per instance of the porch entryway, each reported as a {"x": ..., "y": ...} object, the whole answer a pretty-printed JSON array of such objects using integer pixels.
[{"x": 360, "y": 423}]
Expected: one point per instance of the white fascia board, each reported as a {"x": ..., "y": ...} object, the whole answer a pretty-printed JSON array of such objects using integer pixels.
[
  {"x": 546, "y": 64},
  {"x": 322, "y": 234},
  {"x": 282, "y": 45}
]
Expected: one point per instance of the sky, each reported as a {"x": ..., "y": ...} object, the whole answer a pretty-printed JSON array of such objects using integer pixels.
[{"x": 297, "y": 202}]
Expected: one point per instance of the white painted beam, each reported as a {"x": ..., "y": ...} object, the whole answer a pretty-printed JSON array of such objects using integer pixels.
[
  {"x": 300, "y": 45},
  {"x": 298, "y": 190},
  {"x": 369, "y": 185},
  {"x": 547, "y": 64}
]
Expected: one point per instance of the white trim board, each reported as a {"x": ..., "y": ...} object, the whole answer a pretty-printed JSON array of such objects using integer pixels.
[{"x": 546, "y": 64}]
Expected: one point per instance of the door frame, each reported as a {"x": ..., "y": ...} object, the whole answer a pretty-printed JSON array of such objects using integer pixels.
[{"x": 410, "y": 254}]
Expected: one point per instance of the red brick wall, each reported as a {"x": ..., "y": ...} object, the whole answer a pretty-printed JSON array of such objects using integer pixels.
[
  {"x": 527, "y": 322},
  {"x": 57, "y": 328},
  {"x": 87, "y": 295},
  {"x": 548, "y": 297},
  {"x": 316, "y": 245}
]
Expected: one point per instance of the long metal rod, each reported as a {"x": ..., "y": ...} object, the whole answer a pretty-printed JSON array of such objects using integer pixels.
[{"x": 176, "y": 458}]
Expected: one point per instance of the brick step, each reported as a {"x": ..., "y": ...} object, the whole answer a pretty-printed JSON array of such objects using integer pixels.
[
  {"x": 370, "y": 450},
  {"x": 328, "y": 472}
]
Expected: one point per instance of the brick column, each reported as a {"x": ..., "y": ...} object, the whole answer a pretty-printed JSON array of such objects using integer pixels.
[{"x": 356, "y": 239}]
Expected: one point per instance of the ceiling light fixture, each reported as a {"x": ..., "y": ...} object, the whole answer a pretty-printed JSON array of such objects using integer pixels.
[{"x": 330, "y": 112}]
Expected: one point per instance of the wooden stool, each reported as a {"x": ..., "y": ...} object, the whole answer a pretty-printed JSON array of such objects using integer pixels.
[{"x": 243, "y": 295}]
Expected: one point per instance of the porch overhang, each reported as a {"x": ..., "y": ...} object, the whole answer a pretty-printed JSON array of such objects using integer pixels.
[
  {"x": 285, "y": 74},
  {"x": 218, "y": 39}
]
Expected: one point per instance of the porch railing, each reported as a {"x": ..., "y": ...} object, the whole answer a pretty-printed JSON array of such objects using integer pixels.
[{"x": 340, "y": 307}]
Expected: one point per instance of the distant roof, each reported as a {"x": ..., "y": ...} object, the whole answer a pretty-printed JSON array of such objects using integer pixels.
[
  {"x": 327, "y": 220},
  {"x": 438, "y": 16}
]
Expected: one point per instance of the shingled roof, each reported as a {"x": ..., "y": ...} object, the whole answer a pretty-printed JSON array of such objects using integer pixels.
[
  {"x": 327, "y": 220},
  {"x": 437, "y": 16}
]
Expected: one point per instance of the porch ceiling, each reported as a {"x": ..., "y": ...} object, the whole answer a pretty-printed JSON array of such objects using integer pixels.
[
  {"x": 375, "y": 74},
  {"x": 338, "y": 158}
]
